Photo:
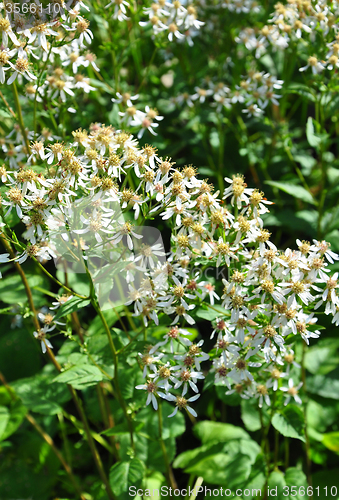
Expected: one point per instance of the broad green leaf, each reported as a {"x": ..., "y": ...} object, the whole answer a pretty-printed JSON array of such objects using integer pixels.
[
  {"x": 321, "y": 415},
  {"x": 125, "y": 474},
  {"x": 17, "y": 414},
  {"x": 96, "y": 327},
  {"x": 70, "y": 306},
  {"x": 172, "y": 427},
  {"x": 331, "y": 441},
  {"x": 307, "y": 162},
  {"x": 295, "y": 477},
  {"x": 155, "y": 457},
  {"x": 233, "y": 447},
  {"x": 313, "y": 140},
  {"x": 290, "y": 422},
  {"x": 12, "y": 291},
  {"x": 76, "y": 281},
  {"x": 40, "y": 395},
  {"x": 302, "y": 90},
  {"x": 186, "y": 458},
  {"x": 4, "y": 418},
  {"x": 230, "y": 399},
  {"x": 325, "y": 386},
  {"x": 81, "y": 376},
  {"x": 292, "y": 485},
  {"x": 275, "y": 485},
  {"x": 208, "y": 432},
  {"x": 5, "y": 398},
  {"x": 250, "y": 415},
  {"x": 295, "y": 190},
  {"x": 223, "y": 469},
  {"x": 322, "y": 359},
  {"x": 211, "y": 314},
  {"x": 129, "y": 378}
]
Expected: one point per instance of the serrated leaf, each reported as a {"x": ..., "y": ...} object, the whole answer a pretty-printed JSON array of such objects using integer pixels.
[
  {"x": 125, "y": 474},
  {"x": 81, "y": 376},
  {"x": 290, "y": 422},
  {"x": 294, "y": 190}
]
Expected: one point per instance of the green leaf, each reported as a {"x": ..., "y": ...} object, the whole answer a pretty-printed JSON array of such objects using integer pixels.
[
  {"x": 208, "y": 432},
  {"x": 12, "y": 291},
  {"x": 275, "y": 485},
  {"x": 76, "y": 281},
  {"x": 331, "y": 441},
  {"x": 234, "y": 447},
  {"x": 313, "y": 140},
  {"x": 327, "y": 387},
  {"x": 4, "y": 418},
  {"x": 172, "y": 427},
  {"x": 322, "y": 358},
  {"x": 40, "y": 395},
  {"x": 153, "y": 482},
  {"x": 223, "y": 469},
  {"x": 70, "y": 306},
  {"x": 17, "y": 414},
  {"x": 294, "y": 190},
  {"x": 96, "y": 327},
  {"x": 211, "y": 314},
  {"x": 302, "y": 90},
  {"x": 125, "y": 474},
  {"x": 250, "y": 415},
  {"x": 321, "y": 415},
  {"x": 81, "y": 376},
  {"x": 290, "y": 422},
  {"x": 186, "y": 458},
  {"x": 307, "y": 162}
]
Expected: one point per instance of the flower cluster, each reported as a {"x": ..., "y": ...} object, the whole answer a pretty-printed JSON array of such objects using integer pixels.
[
  {"x": 133, "y": 117},
  {"x": 294, "y": 23},
  {"x": 58, "y": 46},
  {"x": 172, "y": 18},
  {"x": 90, "y": 207},
  {"x": 254, "y": 93}
]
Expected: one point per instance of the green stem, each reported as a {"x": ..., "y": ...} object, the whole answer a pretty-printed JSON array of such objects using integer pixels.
[
  {"x": 57, "y": 453},
  {"x": 20, "y": 119},
  {"x": 116, "y": 369},
  {"x": 37, "y": 90},
  {"x": 59, "y": 282},
  {"x": 169, "y": 473},
  {"x": 91, "y": 443},
  {"x": 264, "y": 441},
  {"x": 307, "y": 439},
  {"x": 148, "y": 69},
  {"x": 287, "y": 453}
]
